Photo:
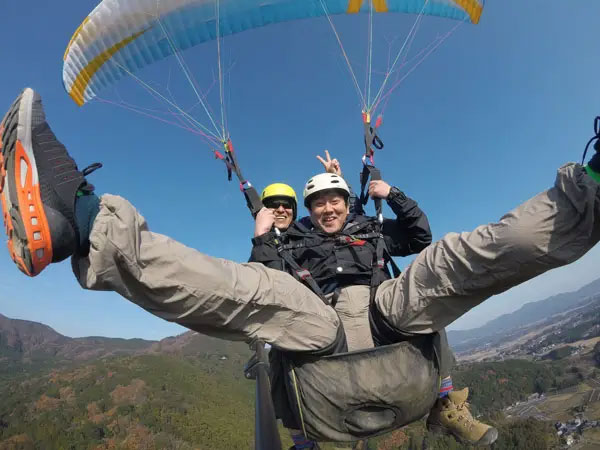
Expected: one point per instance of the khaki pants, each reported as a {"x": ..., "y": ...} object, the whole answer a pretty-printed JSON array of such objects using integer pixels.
[{"x": 248, "y": 301}]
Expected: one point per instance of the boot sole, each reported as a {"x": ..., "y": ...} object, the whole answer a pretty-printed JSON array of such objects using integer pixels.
[
  {"x": 26, "y": 225},
  {"x": 488, "y": 438}
]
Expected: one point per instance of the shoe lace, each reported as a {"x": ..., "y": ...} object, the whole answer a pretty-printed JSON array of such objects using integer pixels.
[
  {"x": 88, "y": 187},
  {"x": 595, "y": 138},
  {"x": 465, "y": 413},
  {"x": 91, "y": 168}
]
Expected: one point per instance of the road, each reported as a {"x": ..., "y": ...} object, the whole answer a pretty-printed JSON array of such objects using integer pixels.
[{"x": 528, "y": 409}]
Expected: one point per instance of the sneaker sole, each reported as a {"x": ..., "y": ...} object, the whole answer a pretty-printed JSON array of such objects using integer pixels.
[{"x": 26, "y": 225}]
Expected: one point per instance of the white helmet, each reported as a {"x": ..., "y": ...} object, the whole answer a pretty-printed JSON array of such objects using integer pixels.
[{"x": 322, "y": 182}]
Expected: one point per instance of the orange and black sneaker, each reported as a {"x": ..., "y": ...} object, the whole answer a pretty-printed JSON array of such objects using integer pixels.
[{"x": 39, "y": 183}]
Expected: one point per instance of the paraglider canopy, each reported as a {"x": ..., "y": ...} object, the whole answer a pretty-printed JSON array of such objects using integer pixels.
[{"x": 121, "y": 36}]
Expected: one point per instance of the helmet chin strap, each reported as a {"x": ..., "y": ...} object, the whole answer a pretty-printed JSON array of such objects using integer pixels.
[{"x": 372, "y": 142}]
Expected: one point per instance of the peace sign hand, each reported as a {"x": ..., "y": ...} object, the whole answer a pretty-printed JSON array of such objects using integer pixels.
[{"x": 331, "y": 165}]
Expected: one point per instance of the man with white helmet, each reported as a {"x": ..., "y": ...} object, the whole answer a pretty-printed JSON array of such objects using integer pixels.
[
  {"x": 271, "y": 224},
  {"x": 335, "y": 250}
]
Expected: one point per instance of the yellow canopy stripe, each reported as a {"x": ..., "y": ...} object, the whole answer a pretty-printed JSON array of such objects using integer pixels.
[
  {"x": 472, "y": 7},
  {"x": 83, "y": 78},
  {"x": 380, "y": 5},
  {"x": 355, "y": 5}
]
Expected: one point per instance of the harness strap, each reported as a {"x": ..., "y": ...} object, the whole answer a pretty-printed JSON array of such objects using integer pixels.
[
  {"x": 301, "y": 274},
  {"x": 230, "y": 159},
  {"x": 356, "y": 227},
  {"x": 253, "y": 201},
  {"x": 373, "y": 173},
  {"x": 371, "y": 235},
  {"x": 372, "y": 140},
  {"x": 383, "y": 255}
]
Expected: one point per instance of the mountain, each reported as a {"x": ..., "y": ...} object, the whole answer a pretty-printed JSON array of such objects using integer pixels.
[
  {"x": 183, "y": 392},
  {"x": 31, "y": 342},
  {"x": 192, "y": 344},
  {"x": 527, "y": 315},
  {"x": 24, "y": 342}
]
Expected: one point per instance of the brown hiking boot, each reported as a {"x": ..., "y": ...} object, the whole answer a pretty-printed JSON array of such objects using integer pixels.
[{"x": 451, "y": 415}]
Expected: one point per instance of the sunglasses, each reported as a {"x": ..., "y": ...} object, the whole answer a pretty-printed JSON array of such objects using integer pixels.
[{"x": 276, "y": 203}]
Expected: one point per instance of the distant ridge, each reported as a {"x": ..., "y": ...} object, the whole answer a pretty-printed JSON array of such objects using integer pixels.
[
  {"x": 27, "y": 341},
  {"x": 528, "y": 314}
]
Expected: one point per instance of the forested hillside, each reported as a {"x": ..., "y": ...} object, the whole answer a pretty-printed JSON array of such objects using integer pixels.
[
  {"x": 152, "y": 401},
  {"x": 189, "y": 392}
]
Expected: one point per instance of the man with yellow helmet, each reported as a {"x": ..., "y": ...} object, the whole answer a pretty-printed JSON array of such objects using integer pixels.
[{"x": 281, "y": 208}]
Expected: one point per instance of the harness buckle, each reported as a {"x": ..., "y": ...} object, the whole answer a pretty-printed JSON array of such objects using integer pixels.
[
  {"x": 303, "y": 274},
  {"x": 245, "y": 185}
]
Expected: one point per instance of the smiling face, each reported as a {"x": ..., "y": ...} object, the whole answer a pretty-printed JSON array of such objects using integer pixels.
[
  {"x": 328, "y": 211},
  {"x": 283, "y": 208}
]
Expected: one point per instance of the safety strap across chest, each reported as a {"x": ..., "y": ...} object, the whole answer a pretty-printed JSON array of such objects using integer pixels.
[
  {"x": 298, "y": 272},
  {"x": 381, "y": 255}
]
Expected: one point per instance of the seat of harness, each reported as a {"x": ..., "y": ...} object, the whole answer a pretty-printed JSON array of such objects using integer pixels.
[{"x": 355, "y": 395}]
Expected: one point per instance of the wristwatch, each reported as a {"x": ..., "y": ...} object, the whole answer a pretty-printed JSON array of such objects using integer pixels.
[{"x": 394, "y": 194}]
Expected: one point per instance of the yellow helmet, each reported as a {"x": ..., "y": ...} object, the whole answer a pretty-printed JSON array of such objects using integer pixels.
[{"x": 280, "y": 190}]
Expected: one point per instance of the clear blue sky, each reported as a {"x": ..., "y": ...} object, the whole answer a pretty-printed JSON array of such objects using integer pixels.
[{"x": 479, "y": 127}]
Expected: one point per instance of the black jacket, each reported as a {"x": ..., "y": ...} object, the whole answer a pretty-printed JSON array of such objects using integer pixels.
[{"x": 347, "y": 257}]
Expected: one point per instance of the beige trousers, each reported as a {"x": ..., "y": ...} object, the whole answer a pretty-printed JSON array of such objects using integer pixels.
[{"x": 248, "y": 301}]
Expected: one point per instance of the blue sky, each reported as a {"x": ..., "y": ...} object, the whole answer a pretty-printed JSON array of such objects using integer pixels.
[{"x": 480, "y": 126}]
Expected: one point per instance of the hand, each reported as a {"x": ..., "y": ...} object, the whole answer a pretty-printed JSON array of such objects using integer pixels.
[
  {"x": 331, "y": 165},
  {"x": 264, "y": 221},
  {"x": 379, "y": 189}
]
